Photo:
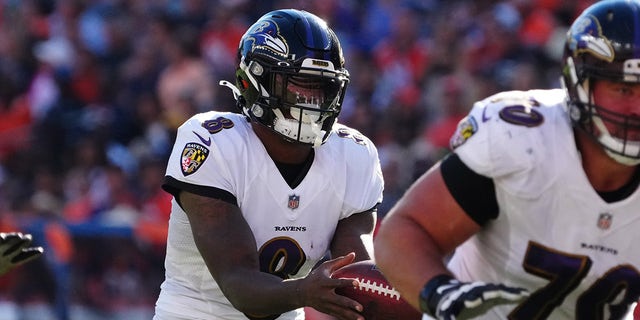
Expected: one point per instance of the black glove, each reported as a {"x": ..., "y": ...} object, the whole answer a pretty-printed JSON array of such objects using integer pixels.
[
  {"x": 446, "y": 298},
  {"x": 15, "y": 250}
]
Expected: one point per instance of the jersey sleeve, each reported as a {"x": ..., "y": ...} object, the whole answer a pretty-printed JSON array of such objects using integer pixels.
[
  {"x": 473, "y": 192},
  {"x": 199, "y": 161},
  {"x": 512, "y": 136},
  {"x": 494, "y": 139},
  {"x": 365, "y": 183}
]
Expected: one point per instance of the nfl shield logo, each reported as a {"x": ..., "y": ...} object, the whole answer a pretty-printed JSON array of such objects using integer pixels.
[
  {"x": 604, "y": 221},
  {"x": 294, "y": 201}
]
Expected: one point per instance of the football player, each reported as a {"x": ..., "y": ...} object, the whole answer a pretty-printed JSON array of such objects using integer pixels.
[
  {"x": 261, "y": 196},
  {"x": 535, "y": 214}
]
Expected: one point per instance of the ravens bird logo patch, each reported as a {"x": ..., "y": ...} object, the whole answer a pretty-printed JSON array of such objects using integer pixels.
[{"x": 193, "y": 156}]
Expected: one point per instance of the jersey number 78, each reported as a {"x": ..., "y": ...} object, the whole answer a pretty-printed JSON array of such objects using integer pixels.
[{"x": 617, "y": 289}]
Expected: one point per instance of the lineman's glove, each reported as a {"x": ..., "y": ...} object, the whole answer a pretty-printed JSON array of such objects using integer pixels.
[
  {"x": 446, "y": 298},
  {"x": 15, "y": 250}
]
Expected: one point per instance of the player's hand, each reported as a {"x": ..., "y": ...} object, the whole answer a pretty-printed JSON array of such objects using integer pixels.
[
  {"x": 15, "y": 250},
  {"x": 449, "y": 299},
  {"x": 318, "y": 290}
]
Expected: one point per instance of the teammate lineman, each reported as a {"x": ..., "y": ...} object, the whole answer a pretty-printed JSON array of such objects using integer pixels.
[{"x": 536, "y": 212}]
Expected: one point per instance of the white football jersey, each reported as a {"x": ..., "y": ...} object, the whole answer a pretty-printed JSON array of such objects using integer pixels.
[
  {"x": 293, "y": 228},
  {"x": 577, "y": 254}
]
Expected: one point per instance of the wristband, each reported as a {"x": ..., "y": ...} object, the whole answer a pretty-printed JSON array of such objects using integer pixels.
[{"x": 427, "y": 305}]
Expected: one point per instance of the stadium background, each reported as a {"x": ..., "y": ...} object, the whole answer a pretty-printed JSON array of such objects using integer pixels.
[{"x": 91, "y": 93}]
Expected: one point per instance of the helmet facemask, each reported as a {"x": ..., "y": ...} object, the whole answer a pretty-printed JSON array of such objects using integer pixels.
[
  {"x": 299, "y": 103},
  {"x": 622, "y": 143}
]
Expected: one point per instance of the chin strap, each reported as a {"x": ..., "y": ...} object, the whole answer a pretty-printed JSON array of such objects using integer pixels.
[
  {"x": 234, "y": 89},
  {"x": 241, "y": 103},
  {"x": 317, "y": 141}
]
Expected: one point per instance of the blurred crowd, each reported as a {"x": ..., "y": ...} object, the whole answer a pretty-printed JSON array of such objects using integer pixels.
[{"x": 92, "y": 91}]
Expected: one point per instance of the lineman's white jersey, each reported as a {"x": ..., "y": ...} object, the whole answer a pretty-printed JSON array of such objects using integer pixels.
[
  {"x": 578, "y": 255},
  {"x": 292, "y": 227}
]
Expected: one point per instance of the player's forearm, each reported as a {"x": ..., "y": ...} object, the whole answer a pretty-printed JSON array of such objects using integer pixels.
[
  {"x": 261, "y": 294},
  {"x": 247, "y": 288},
  {"x": 407, "y": 260},
  {"x": 355, "y": 234}
]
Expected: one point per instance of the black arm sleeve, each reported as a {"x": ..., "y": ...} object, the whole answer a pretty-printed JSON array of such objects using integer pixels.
[
  {"x": 174, "y": 186},
  {"x": 475, "y": 193}
]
